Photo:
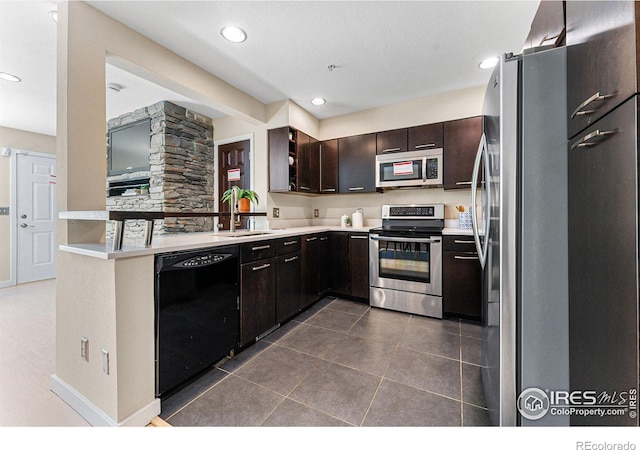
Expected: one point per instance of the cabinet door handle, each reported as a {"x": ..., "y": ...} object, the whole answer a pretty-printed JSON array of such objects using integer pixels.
[
  {"x": 457, "y": 241},
  {"x": 311, "y": 239},
  {"x": 328, "y": 190},
  {"x": 464, "y": 183},
  {"x": 389, "y": 150},
  {"x": 356, "y": 188},
  {"x": 465, "y": 257},
  {"x": 585, "y": 141},
  {"x": 264, "y": 266},
  {"x": 359, "y": 237},
  {"x": 324, "y": 238},
  {"x": 290, "y": 243},
  {"x": 418, "y": 147},
  {"x": 290, "y": 259},
  {"x": 549, "y": 38},
  {"x": 262, "y": 247},
  {"x": 594, "y": 98},
  {"x": 305, "y": 188}
]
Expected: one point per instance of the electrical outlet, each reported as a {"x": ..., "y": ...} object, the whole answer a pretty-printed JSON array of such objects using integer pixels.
[
  {"x": 105, "y": 361},
  {"x": 84, "y": 348},
  {"x": 276, "y": 212},
  {"x": 316, "y": 213}
]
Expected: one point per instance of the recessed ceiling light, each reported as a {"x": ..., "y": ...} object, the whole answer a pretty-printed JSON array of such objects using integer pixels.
[
  {"x": 233, "y": 34},
  {"x": 318, "y": 101},
  {"x": 489, "y": 63},
  {"x": 54, "y": 15},
  {"x": 9, "y": 77}
]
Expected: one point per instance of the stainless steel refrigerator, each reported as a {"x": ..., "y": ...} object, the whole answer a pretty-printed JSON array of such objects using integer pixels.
[{"x": 520, "y": 227}]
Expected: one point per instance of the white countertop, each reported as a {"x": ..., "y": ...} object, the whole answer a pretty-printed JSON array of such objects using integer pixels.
[
  {"x": 457, "y": 231},
  {"x": 165, "y": 243}
]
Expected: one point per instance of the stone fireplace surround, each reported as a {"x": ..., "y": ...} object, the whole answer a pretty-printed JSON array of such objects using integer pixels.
[{"x": 181, "y": 172}]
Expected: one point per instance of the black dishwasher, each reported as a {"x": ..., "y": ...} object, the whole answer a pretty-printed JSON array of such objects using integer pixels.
[{"x": 196, "y": 313}]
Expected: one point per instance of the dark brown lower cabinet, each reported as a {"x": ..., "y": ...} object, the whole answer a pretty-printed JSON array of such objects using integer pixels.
[
  {"x": 324, "y": 263},
  {"x": 288, "y": 282},
  {"x": 603, "y": 261},
  {"x": 359, "y": 264},
  {"x": 350, "y": 264},
  {"x": 257, "y": 299},
  {"x": 340, "y": 284},
  {"x": 461, "y": 278},
  {"x": 309, "y": 246}
]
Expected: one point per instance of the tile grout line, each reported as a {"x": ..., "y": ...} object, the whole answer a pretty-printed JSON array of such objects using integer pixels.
[{"x": 382, "y": 378}]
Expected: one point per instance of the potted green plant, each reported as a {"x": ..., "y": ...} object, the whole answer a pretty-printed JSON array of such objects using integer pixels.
[{"x": 245, "y": 198}]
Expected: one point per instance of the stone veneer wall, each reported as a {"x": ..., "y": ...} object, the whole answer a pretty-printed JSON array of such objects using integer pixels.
[{"x": 182, "y": 168}]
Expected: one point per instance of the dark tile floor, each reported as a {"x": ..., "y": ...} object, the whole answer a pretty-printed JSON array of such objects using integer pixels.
[{"x": 342, "y": 363}]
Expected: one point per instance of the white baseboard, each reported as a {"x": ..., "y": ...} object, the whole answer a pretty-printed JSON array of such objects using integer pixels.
[
  {"x": 4, "y": 284},
  {"x": 94, "y": 415}
]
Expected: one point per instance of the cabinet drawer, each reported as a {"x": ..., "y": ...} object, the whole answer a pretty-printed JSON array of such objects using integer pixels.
[
  {"x": 459, "y": 243},
  {"x": 254, "y": 251},
  {"x": 601, "y": 59},
  {"x": 288, "y": 245}
]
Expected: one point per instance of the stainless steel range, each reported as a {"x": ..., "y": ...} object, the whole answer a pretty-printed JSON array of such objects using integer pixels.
[{"x": 405, "y": 264}]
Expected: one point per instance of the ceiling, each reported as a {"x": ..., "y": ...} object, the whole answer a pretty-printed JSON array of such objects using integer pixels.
[{"x": 383, "y": 51}]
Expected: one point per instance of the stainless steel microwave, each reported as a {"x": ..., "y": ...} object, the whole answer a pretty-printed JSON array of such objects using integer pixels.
[{"x": 421, "y": 168}]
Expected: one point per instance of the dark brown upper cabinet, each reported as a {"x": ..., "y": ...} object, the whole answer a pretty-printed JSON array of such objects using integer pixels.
[
  {"x": 329, "y": 167},
  {"x": 548, "y": 26},
  {"x": 461, "y": 141},
  {"x": 601, "y": 59},
  {"x": 294, "y": 159},
  {"x": 391, "y": 141},
  {"x": 281, "y": 147},
  {"x": 425, "y": 137},
  {"x": 357, "y": 168},
  {"x": 303, "y": 162}
]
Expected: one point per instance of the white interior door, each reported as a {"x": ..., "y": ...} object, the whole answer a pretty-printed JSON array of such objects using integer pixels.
[{"x": 35, "y": 217}]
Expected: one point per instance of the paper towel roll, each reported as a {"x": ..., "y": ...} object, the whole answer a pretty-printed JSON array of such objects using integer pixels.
[{"x": 357, "y": 219}]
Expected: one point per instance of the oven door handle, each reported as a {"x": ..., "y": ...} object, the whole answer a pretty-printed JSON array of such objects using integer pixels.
[{"x": 376, "y": 237}]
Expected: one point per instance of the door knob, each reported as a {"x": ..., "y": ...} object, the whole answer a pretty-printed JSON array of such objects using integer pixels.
[
  {"x": 24, "y": 225},
  {"x": 24, "y": 216}
]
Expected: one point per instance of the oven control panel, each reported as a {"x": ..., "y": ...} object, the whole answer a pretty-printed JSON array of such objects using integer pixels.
[{"x": 434, "y": 211}]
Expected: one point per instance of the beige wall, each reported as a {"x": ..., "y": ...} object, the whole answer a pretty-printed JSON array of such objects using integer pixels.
[
  {"x": 116, "y": 315},
  {"x": 17, "y": 140}
]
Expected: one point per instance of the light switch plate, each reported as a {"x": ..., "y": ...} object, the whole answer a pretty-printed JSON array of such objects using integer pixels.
[
  {"x": 4, "y": 210},
  {"x": 316, "y": 213}
]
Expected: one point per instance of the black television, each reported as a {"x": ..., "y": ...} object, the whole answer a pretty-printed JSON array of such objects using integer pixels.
[{"x": 129, "y": 148}]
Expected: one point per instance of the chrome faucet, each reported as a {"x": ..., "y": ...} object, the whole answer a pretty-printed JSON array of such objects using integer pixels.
[{"x": 234, "y": 208}]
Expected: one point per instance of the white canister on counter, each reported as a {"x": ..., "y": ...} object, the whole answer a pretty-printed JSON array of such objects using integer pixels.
[
  {"x": 357, "y": 219},
  {"x": 344, "y": 221}
]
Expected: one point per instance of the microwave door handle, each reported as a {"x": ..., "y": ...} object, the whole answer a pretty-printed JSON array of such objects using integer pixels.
[
  {"x": 474, "y": 200},
  {"x": 424, "y": 170}
]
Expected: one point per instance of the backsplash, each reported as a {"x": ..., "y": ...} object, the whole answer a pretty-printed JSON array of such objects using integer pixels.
[{"x": 300, "y": 208}]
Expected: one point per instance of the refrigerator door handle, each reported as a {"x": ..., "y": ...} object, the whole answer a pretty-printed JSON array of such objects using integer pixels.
[{"x": 482, "y": 249}]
